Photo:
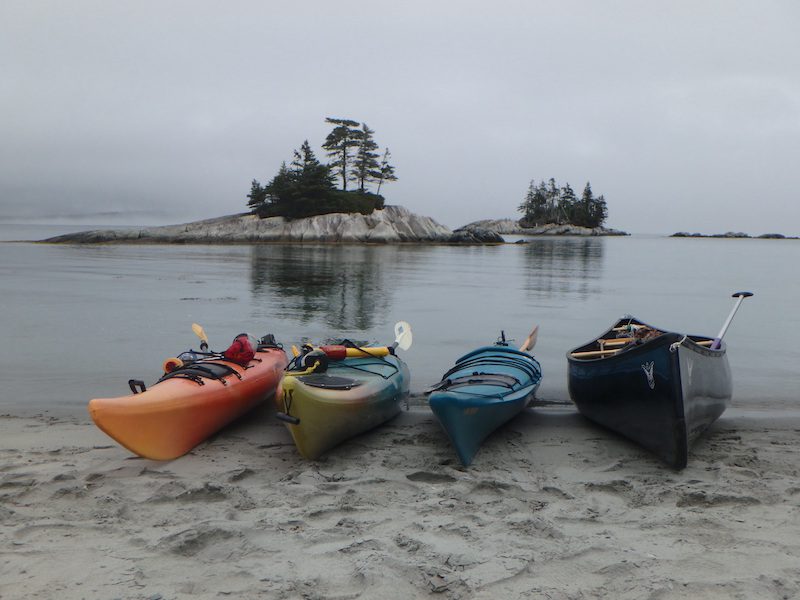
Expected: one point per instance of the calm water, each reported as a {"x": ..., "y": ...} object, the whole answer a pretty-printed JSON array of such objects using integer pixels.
[{"x": 79, "y": 321}]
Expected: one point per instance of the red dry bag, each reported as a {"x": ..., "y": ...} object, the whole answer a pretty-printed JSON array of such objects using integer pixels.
[{"x": 241, "y": 351}]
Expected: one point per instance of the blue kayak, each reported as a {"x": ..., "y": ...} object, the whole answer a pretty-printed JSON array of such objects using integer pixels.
[{"x": 484, "y": 389}]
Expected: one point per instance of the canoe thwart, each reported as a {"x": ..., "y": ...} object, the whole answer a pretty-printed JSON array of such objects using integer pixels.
[{"x": 622, "y": 342}]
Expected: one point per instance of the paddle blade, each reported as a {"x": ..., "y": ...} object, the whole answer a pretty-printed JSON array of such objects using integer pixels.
[
  {"x": 403, "y": 337},
  {"x": 202, "y": 335},
  {"x": 199, "y": 332},
  {"x": 530, "y": 341}
]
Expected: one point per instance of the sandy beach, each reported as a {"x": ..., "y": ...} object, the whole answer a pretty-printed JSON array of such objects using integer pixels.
[{"x": 553, "y": 507}]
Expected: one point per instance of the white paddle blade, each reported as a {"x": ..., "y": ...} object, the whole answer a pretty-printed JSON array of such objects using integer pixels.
[
  {"x": 403, "y": 337},
  {"x": 199, "y": 332},
  {"x": 530, "y": 341}
]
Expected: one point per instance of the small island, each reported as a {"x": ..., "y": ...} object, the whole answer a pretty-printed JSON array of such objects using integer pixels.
[
  {"x": 550, "y": 209},
  {"x": 734, "y": 235},
  {"x": 309, "y": 201}
]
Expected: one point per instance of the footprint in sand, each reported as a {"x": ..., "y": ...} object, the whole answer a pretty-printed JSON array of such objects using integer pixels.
[
  {"x": 426, "y": 477},
  {"x": 704, "y": 500},
  {"x": 190, "y": 542}
]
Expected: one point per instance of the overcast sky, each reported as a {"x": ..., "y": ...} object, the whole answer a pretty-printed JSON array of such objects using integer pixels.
[{"x": 685, "y": 115}]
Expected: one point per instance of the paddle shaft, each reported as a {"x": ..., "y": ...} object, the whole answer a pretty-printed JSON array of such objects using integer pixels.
[
  {"x": 740, "y": 296},
  {"x": 339, "y": 352}
]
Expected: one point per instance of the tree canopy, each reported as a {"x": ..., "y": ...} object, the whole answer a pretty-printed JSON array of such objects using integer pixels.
[
  {"x": 548, "y": 203},
  {"x": 308, "y": 187}
]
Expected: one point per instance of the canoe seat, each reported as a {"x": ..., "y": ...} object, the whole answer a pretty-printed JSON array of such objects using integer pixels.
[{"x": 329, "y": 382}]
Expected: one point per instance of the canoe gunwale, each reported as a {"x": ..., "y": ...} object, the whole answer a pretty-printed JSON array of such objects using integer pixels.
[{"x": 689, "y": 340}]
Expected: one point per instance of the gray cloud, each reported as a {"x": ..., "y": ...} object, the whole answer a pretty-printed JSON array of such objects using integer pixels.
[{"x": 684, "y": 115}]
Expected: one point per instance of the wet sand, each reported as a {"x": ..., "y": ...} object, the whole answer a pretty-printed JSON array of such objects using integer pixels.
[{"x": 552, "y": 507}]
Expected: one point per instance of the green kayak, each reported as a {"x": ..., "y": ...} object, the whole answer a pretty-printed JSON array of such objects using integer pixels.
[{"x": 322, "y": 407}]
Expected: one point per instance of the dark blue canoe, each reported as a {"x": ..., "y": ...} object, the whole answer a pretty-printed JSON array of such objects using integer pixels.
[
  {"x": 484, "y": 389},
  {"x": 658, "y": 388}
]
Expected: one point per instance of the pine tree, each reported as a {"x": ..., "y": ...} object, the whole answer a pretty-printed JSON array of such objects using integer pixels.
[
  {"x": 535, "y": 207},
  {"x": 385, "y": 171},
  {"x": 599, "y": 212},
  {"x": 566, "y": 204},
  {"x": 547, "y": 203},
  {"x": 339, "y": 145},
  {"x": 257, "y": 195},
  {"x": 552, "y": 194},
  {"x": 312, "y": 179},
  {"x": 366, "y": 159},
  {"x": 279, "y": 189},
  {"x": 583, "y": 207}
]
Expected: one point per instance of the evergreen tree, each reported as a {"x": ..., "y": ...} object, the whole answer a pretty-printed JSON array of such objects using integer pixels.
[
  {"x": 527, "y": 206},
  {"x": 566, "y": 204},
  {"x": 257, "y": 195},
  {"x": 599, "y": 212},
  {"x": 385, "y": 171},
  {"x": 534, "y": 205},
  {"x": 312, "y": 179},
  {"x": 279, "y": 189},
  {"x": 365, "y": 163},
  {"x": 552, "y": 201},
  {"x": 583, "y": 208},
  {"x": 339, "y": 145},
  {"x": 547, "y": 203}
]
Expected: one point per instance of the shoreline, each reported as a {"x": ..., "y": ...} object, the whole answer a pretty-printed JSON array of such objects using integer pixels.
[
  {"x": 390, "y": 225},
  {"x": 733, "y": 236},
  {"x": 552, "y": 507}
]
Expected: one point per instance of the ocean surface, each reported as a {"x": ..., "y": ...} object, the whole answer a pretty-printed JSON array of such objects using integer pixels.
[{"x": 79, "y": 321}]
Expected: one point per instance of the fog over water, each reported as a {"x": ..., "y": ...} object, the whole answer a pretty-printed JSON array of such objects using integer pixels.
[{"x": 684, "y": 115}]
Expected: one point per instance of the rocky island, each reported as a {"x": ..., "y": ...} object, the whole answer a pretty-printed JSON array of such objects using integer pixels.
[
  {"x": 734, "y": 235},
  {"x": 389, "y": 225},
  {"x": 392, "y": 224},
  {"x": 513, "y": 227}
]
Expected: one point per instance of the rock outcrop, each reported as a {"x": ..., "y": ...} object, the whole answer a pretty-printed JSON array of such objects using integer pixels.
[
  {"x": 476, "y": 235},
  {"x": 392, "y": 224},
  {"x": 734, "y": 235},
  {"x": 512, "y": 227}
]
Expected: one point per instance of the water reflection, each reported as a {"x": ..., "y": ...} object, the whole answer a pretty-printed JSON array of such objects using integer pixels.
[
  {"x": 564, "y": 265},
  {"x": 341, "y": 286}
]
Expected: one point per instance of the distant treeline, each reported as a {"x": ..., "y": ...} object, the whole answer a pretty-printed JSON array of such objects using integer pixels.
[
  {"x": 307, "y": 187},
  {"x": 548, "y": 203}
]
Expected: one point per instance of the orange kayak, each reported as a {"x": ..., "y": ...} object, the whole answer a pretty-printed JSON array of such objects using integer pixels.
[{"x": 187, "y": 406}]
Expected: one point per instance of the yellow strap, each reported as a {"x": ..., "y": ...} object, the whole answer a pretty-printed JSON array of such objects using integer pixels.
[{"x": 311, "y": 369}]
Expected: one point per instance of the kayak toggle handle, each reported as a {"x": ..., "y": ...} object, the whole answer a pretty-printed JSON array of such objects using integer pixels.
[
  {"x": 287, "y": 418},
  {"x": 137, "y": 386}
]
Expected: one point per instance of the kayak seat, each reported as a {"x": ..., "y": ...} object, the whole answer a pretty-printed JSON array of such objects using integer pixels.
[{"x": 329, "y": 382}]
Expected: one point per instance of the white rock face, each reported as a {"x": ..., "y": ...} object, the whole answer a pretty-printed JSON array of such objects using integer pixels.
[
  {"x": 510, "y": 226},
  {"x": 392, "y": 224}
]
